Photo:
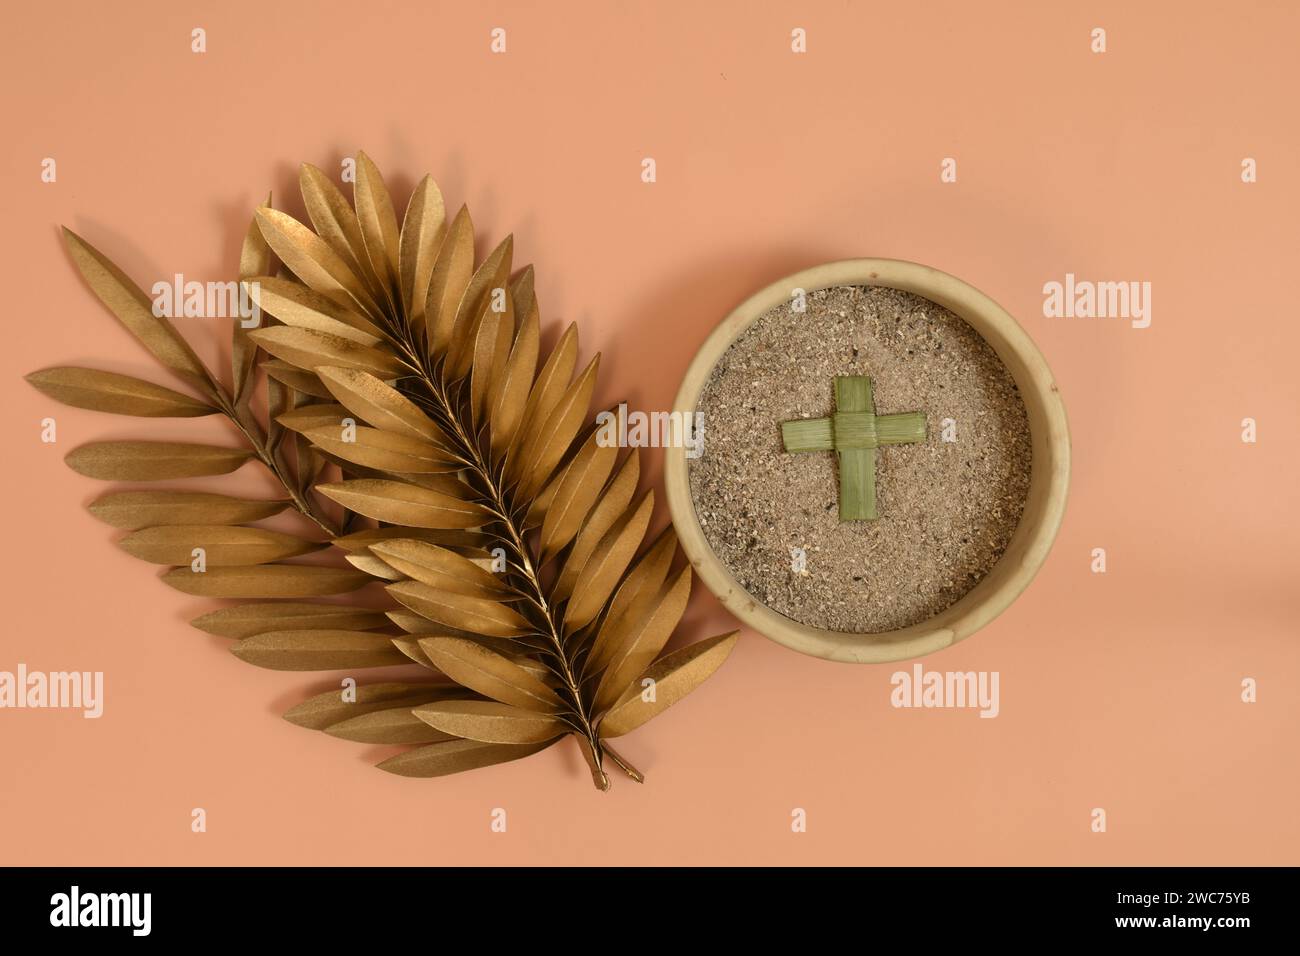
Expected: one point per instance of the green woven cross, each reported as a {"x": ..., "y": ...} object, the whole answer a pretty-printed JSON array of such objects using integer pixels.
[{"x": 854, "y": 432}]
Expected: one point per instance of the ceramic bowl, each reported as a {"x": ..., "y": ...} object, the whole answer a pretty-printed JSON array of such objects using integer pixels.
[{"x": 1044, "y": 506}]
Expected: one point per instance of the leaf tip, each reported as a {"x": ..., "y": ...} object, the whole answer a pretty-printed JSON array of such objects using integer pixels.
[
  {"x": 299, "y": 716},
  {"x": 204, "y": 621},
  {"x": 75, "y": 459},
  {"x": 239, "y": 650},
  {"x": 726, "y": 642}
]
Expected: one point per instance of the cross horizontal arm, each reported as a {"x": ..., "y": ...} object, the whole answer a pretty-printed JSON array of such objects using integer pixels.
[
  {"x": 865, "y": 430},
  {"x": 808, "y": 434},
  {"x": 902, "y": 428}
]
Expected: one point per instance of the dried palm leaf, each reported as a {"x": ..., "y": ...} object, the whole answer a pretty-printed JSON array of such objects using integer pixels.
[{"x": 506, "y": 532}]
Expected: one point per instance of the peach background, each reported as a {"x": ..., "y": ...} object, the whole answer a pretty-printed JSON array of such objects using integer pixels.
[{"x": 1118, "y": 691}]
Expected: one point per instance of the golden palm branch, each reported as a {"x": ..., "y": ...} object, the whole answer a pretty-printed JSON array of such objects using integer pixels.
[{"x": 509, "y": 537}]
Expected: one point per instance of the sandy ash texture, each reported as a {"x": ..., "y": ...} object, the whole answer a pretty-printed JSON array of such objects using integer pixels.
[{"x": 947, "y": 509}]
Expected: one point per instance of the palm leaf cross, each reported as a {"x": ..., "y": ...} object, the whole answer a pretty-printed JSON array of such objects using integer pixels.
[{"x": 854, "y": 432}]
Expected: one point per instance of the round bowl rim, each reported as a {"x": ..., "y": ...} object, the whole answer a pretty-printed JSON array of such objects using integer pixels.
[{"x": 1044, "y": 506}]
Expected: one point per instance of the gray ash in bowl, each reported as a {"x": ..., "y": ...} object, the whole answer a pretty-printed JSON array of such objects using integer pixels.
[{"x": 947, "y": 509}]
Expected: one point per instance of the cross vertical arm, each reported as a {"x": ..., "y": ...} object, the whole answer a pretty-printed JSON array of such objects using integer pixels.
[{"x": 857, "y": 465}]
